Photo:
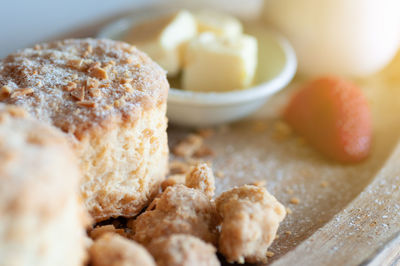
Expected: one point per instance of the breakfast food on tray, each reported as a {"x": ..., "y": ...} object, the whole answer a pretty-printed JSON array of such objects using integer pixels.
[
  {"x": 201, "y": 177},
  {"x": 250, "y": 219},
  {"x": 110, "y": 99},
  {"x": 113, "y": 249},
  {"x": 211, "y": 50},
  {"x": 332, "y": 115},
  {"x": 164, "y": 38},
  {"x": 219, "y": 63},
  {"x": 218, "y": 23},
  {"x": 41, "y": 221},
  {"x": 179, "y": 210},
  {"x": 183, "y": 250}
]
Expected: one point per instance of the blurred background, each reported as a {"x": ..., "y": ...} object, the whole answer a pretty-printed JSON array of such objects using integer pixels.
[{"x": 26, "y": 22}]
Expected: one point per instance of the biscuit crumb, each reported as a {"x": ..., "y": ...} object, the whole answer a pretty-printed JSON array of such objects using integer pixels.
[
  {"x": 16, "y": 111},
  {"x": 5, "y": 91},
  {"x": 206, "y": 132},
  {"x": 113, "y": 249},
  {"x": 128, "y": 87},
  {"x": 173, "y": 180},
  {"x": 95, "y": 93},
  {"x": 107, "y": 107},
  {"x": 178, "y": 167},
  {"x": 70, "y": 86},
  {"x": 294, "y": 200},
  {"x": 98, "y": 72},
  {"x": 270, "y": 254},
  {"x": 126, "y": 80},
  {"x": 21, "y": 92},
  {"x": 103, "y": 229},
  {"x": 181, "y": 249},
  {"x": 92, "y": 83},
  {"x": 203, "y": 151},
  {"x": 79, "y": 93},
  {"x": 75, "y": 63},
  {"x": 119, "y": 103},
  {"x": 288, "y": 233},
  {"x": 188, "y": 146},
  {"x": 250, "y": 220},
  {"x": 179, "y": 209},
  {"x": 288, "y": 210},
  {"x": 201, "y": 177},
  {"x": 86, "y": 104}
]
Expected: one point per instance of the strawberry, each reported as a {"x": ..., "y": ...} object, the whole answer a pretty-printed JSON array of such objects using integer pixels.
[{"x": 333, "y": 116}]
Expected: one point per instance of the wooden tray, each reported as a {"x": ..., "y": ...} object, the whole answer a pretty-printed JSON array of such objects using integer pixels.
[{"x": 346, "y": 213}]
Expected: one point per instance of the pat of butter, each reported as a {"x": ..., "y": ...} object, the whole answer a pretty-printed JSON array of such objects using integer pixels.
[
  {"x": 218, "y": 23},
  {"x": 164, "y": 39},
  {"x": 218, "y": 63}
]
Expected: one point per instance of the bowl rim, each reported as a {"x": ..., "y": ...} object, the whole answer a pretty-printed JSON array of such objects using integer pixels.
[{"x": 261, "y": 90}]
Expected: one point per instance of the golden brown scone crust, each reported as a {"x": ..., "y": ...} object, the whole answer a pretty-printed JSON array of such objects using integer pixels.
[
  {"x": 250, "y": 219},
  {"x": 111, "y": 100},
  {"x": 178, "y": 210},
  {"x": 114, "y": 250},
  {"x": 130, "y": 82},
  {"x": 183, "y": 250},
  {"x": 41, "y": 220}
]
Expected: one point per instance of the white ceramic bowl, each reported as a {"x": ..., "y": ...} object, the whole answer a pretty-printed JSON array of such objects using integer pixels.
[{"x": 276, "y": 68}]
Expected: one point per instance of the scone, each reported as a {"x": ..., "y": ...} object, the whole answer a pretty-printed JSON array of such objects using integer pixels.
[
  {"x": 41, "y": 220},
  {"x": 111, "y": 100}
]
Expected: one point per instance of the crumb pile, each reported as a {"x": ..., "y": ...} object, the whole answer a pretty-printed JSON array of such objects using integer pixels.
[{"x": 186, "y": 225}]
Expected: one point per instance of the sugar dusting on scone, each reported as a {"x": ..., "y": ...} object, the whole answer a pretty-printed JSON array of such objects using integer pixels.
[
  {"x": 41, "y": 220},
  {"x": 111, "y": 100}
]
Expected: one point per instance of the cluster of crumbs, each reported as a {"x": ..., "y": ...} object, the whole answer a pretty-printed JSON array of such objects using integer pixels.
[
  {"x": 186, "y": 225},
  {"x": 267, "y": 153}
]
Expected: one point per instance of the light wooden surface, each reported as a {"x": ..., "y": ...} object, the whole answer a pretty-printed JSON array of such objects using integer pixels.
[{"x": 355, "y": 234}]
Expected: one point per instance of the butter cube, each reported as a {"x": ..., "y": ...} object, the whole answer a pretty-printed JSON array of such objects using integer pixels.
[
  {"x": 164, "y": 39},
  {"x": 217, "y": 23},
  {"x": 218, "y": 63}
]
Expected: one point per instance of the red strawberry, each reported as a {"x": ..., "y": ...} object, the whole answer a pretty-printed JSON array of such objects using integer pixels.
[{"x": 333, "y": 116}]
